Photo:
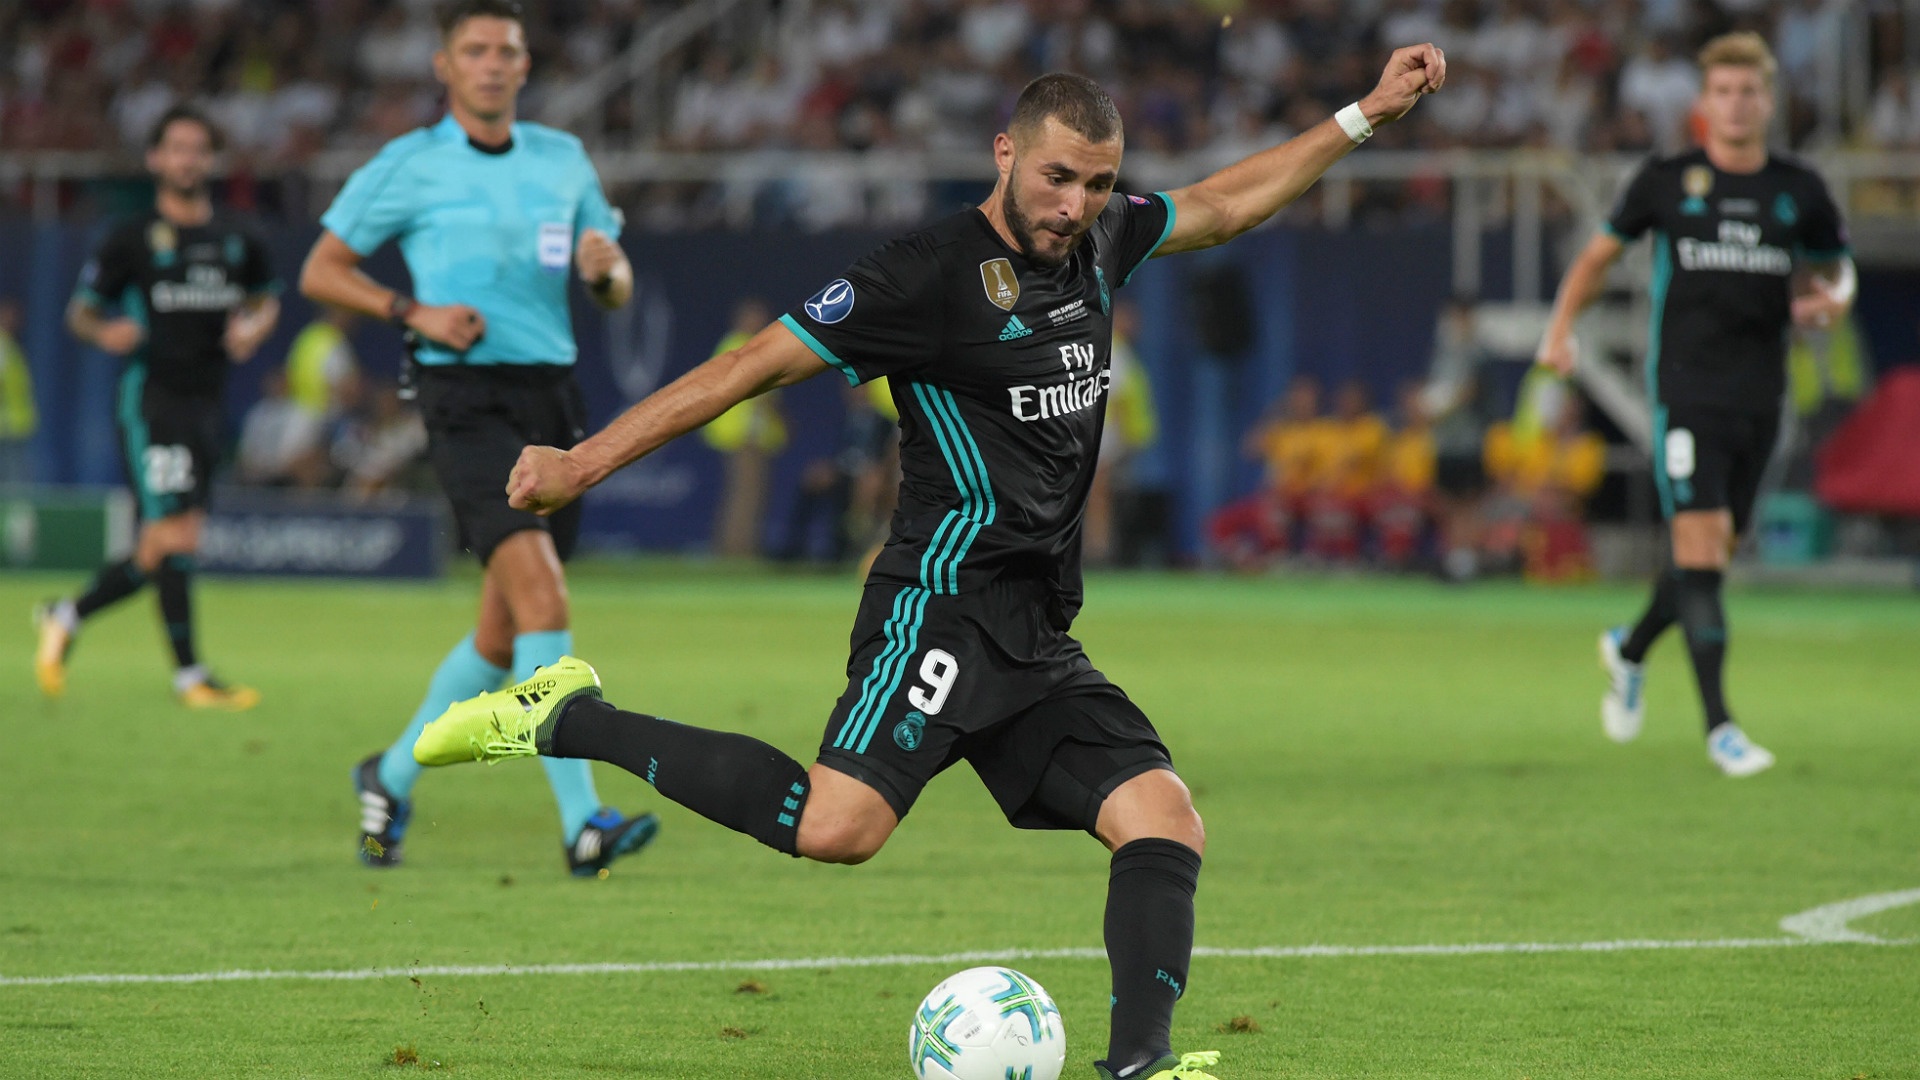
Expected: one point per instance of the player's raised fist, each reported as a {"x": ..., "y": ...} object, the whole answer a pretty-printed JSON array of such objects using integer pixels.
[
  {"x": 1558, "y": 352},
  {"x": 544, "y": 480},
  {"x": 456, "y": 326},
  {"x": 1412, "y": 72},
  {"x": 596, "y": 256}
]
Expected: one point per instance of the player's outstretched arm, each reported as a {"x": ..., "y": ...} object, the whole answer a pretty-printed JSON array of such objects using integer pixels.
[
  {"x": 1248, "y": 192},
  {"x": 546, "y": 479},
  {"x": 1558, "y": 349},
  {"x": 332, "y": 275}
]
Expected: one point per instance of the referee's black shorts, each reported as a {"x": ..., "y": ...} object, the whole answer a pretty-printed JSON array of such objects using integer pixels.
[
  {"x": 1712, "y": 459},
  {"x": 981, "y": 677},
  {"x": 479, "y": 417}
]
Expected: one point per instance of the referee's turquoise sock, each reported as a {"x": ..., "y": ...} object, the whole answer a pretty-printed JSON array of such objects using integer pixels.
[
  {"x": 570, "y": 778},
  {"x": 463, "y": 674}
]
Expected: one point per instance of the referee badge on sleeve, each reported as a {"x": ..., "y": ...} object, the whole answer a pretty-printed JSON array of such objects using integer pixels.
[{"x": 556, "y": 245}]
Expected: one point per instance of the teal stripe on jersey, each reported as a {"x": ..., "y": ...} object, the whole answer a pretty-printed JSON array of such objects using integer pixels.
[
  {"x": 940, "y": 566},
  {"x": 936, "y": 544},
  {"x": 1662, "y": 282},
  {"x": 933, "y": 564},
  {"x": 819, "y": 350},
  {"x": 1172, "y": 216},
  {"x": 985, "y": 488}
]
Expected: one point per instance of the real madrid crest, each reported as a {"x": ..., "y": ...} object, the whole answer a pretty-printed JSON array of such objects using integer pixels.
[
  {"x": 1001, "y": 283},
  {"x": 162, "y": 238},
  {"x": 1697, "y": 181}
]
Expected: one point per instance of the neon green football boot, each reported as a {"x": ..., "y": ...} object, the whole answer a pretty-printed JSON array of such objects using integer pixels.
[
  {"x": 507, "y": 723},
  {"x": 1184, "y": 1067}
]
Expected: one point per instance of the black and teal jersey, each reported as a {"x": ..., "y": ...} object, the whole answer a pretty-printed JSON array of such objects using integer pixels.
[
  {"x": 1725, "y": 248},
  {"x": 999, "y": 367},
  {"x": 181, "y": 282}
]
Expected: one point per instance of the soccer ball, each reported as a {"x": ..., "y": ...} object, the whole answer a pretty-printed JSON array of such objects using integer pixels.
[{"x": 987, "y": 1023}]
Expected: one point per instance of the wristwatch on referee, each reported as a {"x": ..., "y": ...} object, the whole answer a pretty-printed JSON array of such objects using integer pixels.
[{"x": 399, "y": 308}]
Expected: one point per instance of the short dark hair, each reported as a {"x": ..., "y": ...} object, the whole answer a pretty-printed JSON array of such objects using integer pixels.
[
  {"x": 1075, "y": 100},
  {"x": 455, "y": 14},
  {"x": 187, "y": 114}
]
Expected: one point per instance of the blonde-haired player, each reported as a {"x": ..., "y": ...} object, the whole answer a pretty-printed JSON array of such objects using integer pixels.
[{"x": 1746, "y": 244}]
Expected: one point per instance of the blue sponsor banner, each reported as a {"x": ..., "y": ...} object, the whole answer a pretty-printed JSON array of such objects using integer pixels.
[{"x": 323, "y": 535}]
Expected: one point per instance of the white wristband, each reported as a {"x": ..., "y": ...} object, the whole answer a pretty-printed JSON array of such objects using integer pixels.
[{"x": 1354, "y": 123}]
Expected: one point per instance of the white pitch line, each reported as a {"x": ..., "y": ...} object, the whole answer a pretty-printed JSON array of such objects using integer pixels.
[
  {"x": 902, "y": 960},
  {"x": 1824, "y": 925}
]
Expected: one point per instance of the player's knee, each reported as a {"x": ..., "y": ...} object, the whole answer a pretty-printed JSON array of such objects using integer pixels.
[
  {"x": 1196, "y": 831},
  {"x": 1154, "y": 805},
  {"x": 1702, "y": 540},
  {"x": 848, "y": 842}
]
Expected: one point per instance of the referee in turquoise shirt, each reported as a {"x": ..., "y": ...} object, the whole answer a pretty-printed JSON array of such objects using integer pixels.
[{"x": 490, "y": 214}]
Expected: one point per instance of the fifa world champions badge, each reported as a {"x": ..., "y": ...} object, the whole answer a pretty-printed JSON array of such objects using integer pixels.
[{"x": 1001, "y": 283}]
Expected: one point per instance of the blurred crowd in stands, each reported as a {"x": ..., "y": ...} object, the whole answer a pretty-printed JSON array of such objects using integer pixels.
[
  {"x": 321, "y": 422},
  {"x": 1211, "y": 78},
  {"x": 1452, "y": 483}
]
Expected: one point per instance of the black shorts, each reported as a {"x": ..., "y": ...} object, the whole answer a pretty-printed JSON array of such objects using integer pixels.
[
  {"x": 169, "y": 442},
  {"x": 478, "y": 420},
  {"x": 1711, "y": 459},
  {"x": 982, "y": 677}
]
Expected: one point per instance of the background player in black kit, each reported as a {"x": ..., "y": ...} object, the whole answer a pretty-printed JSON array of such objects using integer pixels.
[
  {"x": 194, "y": 294},
  {"x": 994, "y": 327},
  {"x": 1737, "y": 232}
]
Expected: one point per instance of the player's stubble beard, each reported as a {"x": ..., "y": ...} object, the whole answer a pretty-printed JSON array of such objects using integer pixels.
[{"x": 1023, "y": 228}]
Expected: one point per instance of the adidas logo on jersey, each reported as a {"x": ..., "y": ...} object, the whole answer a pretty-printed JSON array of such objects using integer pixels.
[{"x": 1014, "y": 330}]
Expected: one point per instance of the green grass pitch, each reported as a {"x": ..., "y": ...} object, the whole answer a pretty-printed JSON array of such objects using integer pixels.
[{"x": 1380, "y": 763}]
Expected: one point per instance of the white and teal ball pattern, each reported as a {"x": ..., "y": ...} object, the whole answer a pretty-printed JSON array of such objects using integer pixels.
[{"x": 987, "y": 1023}]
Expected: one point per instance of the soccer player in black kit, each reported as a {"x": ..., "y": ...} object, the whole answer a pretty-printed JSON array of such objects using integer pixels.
[
  {"x": 994, "y": 327},
  {"x": 194, "y": 294},
  {"x": 1746, "y": 244}
]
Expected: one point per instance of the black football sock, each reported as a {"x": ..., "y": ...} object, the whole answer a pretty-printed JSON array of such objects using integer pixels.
[
  {"x": 735, "y": 780},
  {"x": 1704, "y": 620},
  {"x": 1149, "y": 932},
  {"x": 1661, "y": 612},
  {"x": 111, "y": 585},
  {"x": 174, "y": 579}
]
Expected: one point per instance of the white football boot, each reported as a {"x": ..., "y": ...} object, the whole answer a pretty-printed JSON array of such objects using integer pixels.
[
  {"x": 1737, "y": 755},
  {"x": 1624, "y": 706}
]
